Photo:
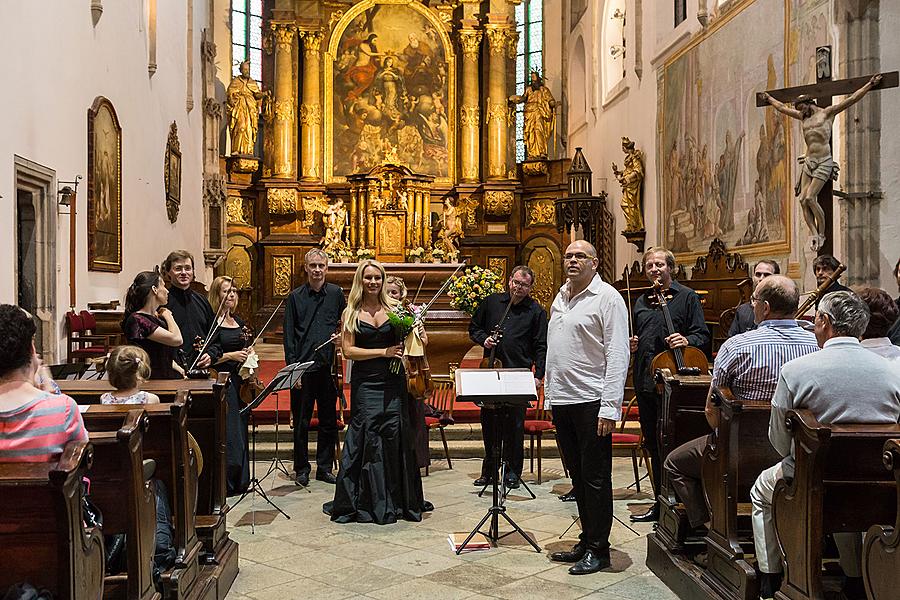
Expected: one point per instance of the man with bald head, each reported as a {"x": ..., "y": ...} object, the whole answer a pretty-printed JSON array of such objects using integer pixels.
[
  {"x": 584, "y": 381},
  {"x": 748, "y": 364}
]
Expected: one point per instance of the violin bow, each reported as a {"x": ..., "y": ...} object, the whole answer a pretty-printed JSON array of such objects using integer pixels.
[
  {"x": 217, "y": 322},
  {"x": 445, "y": 285},
  {"x": 419, "y": 289},
  {"x": 628, "y": 293},
  {"x": 272, "y": 316}
]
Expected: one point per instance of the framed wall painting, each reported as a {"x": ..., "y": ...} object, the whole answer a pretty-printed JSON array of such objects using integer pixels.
[{"x": 104, "y": 188}]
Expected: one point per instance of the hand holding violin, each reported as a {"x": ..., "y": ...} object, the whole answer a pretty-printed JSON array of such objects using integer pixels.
[{"x": 490, "y": 342}]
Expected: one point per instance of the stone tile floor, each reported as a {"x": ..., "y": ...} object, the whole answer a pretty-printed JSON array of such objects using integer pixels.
[{"x": 308, "y": 556}]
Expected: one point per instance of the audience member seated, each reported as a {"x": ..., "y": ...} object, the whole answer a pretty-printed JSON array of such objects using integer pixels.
[
  {"x": 843, "y": 383},
  {"x": 748, "y": 364},
  {"x": 35, "y": 422},
  {"x": 824, "y": 267},
  {"x": 744, "y": 319},
  {"x": 894, "y": 332},
  {"x": 884, "y": 313},
  {"x": 128, "y": 367},
  {"x": 151, "y": 326}
]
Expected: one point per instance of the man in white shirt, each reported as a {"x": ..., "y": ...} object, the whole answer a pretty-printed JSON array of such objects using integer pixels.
[{"x": 587, "y": 361}]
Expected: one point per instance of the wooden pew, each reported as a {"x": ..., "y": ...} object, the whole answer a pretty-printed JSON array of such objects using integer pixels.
[
  {"x": 739, "y": 453},
  {"x": 881, "y": 551},
  {"x": 166, "y": 442},
  {"x": 127, "y": 502},
  {"x": 682, "y": 418},
  {"x": 206, "y": 422},
  {"x": 42, "y": 536},
  {"x": 839, "y": 485}
]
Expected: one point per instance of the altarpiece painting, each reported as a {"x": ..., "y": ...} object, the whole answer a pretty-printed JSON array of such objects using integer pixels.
[
  {"x": 104, "y": 188},
  {"x": 389, "y": 89},
  {"x": 725, "y": 165}
]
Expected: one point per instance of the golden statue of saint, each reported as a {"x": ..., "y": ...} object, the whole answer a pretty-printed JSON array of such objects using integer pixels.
[
  {"x": 538, "y": 113},
  {"x": 450, "y": 232},
  {"x": 631, "y": 178},
  {"x": 335, "y": 220},
  {"x": 243, "y": 100}
]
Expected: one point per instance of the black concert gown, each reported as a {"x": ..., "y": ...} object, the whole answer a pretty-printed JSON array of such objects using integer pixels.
[
  {"x": 379, "y": 480},
  {"x": 237, "y": 457}
]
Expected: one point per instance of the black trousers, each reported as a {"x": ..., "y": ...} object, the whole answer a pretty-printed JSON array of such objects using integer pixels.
[
  {"x": 512, "y": 444},
  {"x": 649, "y": 404},
  {"x": 317, "y": 389},
  {"x": 589, "y": 459}
]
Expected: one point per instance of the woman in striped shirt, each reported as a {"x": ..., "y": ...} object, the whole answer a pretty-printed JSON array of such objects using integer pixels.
[{"x": 35, "y": 424}]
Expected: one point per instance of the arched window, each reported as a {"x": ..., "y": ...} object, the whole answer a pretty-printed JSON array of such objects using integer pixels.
[
  {"x": 613, "y": 48},
  {"x": 529, "y": 57},
  {"x": 246, "y": 36}
]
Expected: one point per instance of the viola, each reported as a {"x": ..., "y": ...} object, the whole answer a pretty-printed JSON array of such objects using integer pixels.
[
  {"x": 337, "y": 374},
  {"x": 418, "y": 373},
  {"x": 684, "y": 361}
]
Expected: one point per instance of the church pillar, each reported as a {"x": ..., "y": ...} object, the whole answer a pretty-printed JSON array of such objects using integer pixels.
[
  {"x": 860, "y": 173},
  {"x": 470, "y": 112},
  {"x": 284, "y": 99},
  {"x": 310, "y": 109},
  {"x": 501, "y": 37}
]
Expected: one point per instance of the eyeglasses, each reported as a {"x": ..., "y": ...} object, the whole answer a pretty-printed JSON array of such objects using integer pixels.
[
  {"x": 577, "y": 256},
  {"x": 519, "y": 284}
]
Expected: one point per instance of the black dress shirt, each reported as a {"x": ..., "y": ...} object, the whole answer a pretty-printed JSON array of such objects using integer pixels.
[
  {"x": 650, "y": 327},
  {"x": 310, "y": 318},
  {"x": 743, "y": 320},
  {"x": 524, "y": 342},
  {"x": 195, "y": 317}
]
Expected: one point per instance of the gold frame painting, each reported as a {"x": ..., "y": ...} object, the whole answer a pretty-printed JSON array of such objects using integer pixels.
[
  {"x": 173, "y": 174},
  {"x": 104, "y": 179},
  {"x": 715, "y": 145},
  {"x": 407, "y": 52}
]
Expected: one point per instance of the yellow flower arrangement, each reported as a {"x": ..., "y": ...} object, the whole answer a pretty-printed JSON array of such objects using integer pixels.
[{"x": 468, "y": 290}]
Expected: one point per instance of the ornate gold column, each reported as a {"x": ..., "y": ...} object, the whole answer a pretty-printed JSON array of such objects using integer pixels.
[
  {"x": 500, "y": 37},
  {"x": 284, "y": 99},
  {"x": 469, "y": 112},
  {"x": 310, "y": 109}
]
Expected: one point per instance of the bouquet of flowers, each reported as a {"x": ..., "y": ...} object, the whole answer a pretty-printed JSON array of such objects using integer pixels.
[
  {"x": 364, "y": 253},
  {"x": 415, "y": 253},
  {"x": 437, "y": 254},
  {"x": 468, "y": 290},
  {"x": 401, "y": 319},
  {"x": 342, "y": 253}
]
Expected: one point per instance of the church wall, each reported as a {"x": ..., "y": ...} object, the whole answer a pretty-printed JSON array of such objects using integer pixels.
[
  {"x": 890, "y": 151},
  {"x": 63, "y": 62}
]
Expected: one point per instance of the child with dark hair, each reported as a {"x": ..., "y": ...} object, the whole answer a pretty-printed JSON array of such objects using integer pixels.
[
  {"x": 35, "y": 423},
  {"x": 127, "y": 368}
]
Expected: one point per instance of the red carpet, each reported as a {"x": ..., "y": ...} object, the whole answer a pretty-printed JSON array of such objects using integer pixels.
[{"x": 463, "y": 412}]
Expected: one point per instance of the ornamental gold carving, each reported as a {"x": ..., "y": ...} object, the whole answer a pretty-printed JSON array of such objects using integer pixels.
[
  {"x": 312, "y": 40},
  {"x": 497, "y": 111},
  {"x": 311, "y": 205},
  {"x": 310, "y": 114},
  {"x": 542, "y": 290},
  {"x": 497, "y": 264},
  {"x": 541, "y": 212},
  {"x": 468, "y": 207},
  {"x": 335, "y": 17},
  {"x": 469, "y": 116},
  {"x": 283, "y": 35},
  {"x": 470, "y": 172},
  {"x": 498, "y": 39},
  {"x": 512, "y": 44},
  {"x": 498, "y": 203},
  {"x": 470, "y": 42},
  {"x": 282, "y": 269},
  {"x": 284, "y": 110},
  {"x": 234, "y": 211},
  {"x": 282, "y": 201},
  {"x": 237, "y": 262}
]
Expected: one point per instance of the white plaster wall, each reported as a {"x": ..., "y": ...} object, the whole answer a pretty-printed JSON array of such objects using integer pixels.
[
  {"x": 890, "y": 149},
  {"x": 59, "y": 63}
]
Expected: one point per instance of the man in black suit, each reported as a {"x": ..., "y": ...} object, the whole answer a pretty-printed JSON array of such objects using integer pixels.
[{"x": 743, "y": 318}]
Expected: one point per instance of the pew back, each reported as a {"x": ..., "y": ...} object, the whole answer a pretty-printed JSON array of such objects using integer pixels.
[{"x": 881, "y": 551}]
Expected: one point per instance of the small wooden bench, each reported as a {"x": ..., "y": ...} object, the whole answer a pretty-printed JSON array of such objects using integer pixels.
[
  {"x": 881, "y": 551},
  {"x": 42, "y": 535},
  {"x": 839, "y": 485}
]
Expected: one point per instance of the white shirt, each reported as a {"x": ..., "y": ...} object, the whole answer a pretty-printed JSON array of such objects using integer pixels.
[
  {"x": 883, "y": 347},
  {"x": 587, "y": 349}
]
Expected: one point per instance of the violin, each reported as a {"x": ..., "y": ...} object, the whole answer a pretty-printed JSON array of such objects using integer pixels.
[
  {"x": 337, "y": 374},
  {"x": 418, "y": 372},
  {"x": 684, "y": 361},
  {"x": 251, "y": 386}
]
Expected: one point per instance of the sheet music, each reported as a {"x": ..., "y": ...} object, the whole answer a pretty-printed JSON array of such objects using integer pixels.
[
  {"x": 485, "y": 382},
  {"x": 517, "y": 384},
  {"x": 489, "y": 382}
]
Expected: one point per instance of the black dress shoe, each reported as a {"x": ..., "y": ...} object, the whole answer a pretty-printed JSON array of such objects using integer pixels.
[
  {"x": 590, "y": 563},
  {"x": 326, "y": 476},
  {"x": 568, "y": 496},
  {"x": 512, "y": 484},
  {"x": 302, "y": 479},
  {"x": 769, "y": 583},
  {"x": 650, "y": 516},
  {"x": 572, "y": 556},
  {"x": 482, "y": 481}
]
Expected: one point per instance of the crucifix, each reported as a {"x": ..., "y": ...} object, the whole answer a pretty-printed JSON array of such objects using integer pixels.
[{"x": 812, "y": 106}]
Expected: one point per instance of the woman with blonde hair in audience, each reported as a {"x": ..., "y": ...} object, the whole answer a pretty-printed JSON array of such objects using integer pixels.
[
  {"x": 127, "y": 368},
  {"x": 151, "y": 326},
  {"x": 233, "y": 338},
  {"x": 379, "y": 481},
  {"x": 35, "y": 422}
]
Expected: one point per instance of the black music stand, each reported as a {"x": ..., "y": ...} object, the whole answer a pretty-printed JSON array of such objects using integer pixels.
[
  {"x": 285, "y": 379},
  {"x": 496, "y": 389}
]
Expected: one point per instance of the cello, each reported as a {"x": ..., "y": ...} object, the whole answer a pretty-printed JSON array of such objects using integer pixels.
[{"x": 684, "y": 361}]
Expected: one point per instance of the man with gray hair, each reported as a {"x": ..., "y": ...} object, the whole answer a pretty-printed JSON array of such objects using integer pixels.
[{"x": 829, "y": 384}]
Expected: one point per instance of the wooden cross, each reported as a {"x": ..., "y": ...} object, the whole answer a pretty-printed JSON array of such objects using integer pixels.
[{"x": 824, "y": 91}]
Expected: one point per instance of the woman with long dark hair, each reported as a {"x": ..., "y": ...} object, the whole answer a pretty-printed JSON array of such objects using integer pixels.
[
  {"x": 151, "y": 326},
  {"x": 379, "y": 480}
]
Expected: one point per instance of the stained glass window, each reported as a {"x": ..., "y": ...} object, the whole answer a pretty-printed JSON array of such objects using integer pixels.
[
  {"x": 246, "y": 36},
  {"x": 529, "y": 57}
]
